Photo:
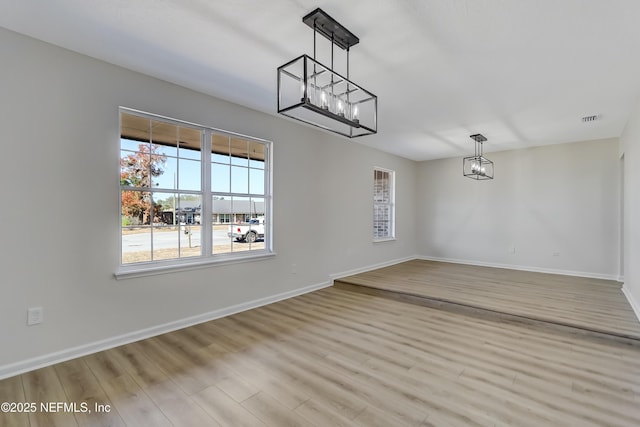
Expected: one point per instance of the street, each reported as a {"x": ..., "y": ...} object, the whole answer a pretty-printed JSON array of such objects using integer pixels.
[{"x": 162, "y": 239}]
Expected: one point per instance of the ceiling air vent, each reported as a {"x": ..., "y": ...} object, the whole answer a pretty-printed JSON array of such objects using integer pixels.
[{"x": 587, "y": 119}]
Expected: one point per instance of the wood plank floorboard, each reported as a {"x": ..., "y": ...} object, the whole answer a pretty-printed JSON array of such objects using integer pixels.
[
  {"x": 341, "y": 358},
  {"x": 589, "y": 304}
]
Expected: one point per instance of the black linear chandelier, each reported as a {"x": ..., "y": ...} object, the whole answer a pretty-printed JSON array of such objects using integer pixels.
[
  {"x": 314, "y": 93},
  {"x": 477, "y": 166}
]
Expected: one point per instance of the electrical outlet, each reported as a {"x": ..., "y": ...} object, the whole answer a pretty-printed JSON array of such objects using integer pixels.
[
  {"x": 294, "y": 269},
  {"x": 512, "y": 250},
  {"x": 556, "y": 253},
  {"x": 34, "y": 316}
]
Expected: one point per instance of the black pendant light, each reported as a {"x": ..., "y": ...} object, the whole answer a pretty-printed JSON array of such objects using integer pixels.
[{"x": 316, "y": 94}]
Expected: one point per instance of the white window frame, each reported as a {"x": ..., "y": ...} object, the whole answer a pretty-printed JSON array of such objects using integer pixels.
[
  {"x": 390, "y": 204},
  {"x": 206, "y": 258}
]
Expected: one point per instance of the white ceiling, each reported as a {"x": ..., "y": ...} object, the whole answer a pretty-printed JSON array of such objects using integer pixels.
[{"x": 521, "y": 72}]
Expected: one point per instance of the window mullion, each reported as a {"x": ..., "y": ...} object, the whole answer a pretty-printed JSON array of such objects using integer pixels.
[
  {"x": 151, "y": 230},
  {"x": 206, "y": 216}
]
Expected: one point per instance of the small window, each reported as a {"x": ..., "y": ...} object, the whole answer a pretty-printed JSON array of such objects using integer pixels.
[
  {"x": 383, "y": 204},
  {"x": 190, "y": 193}
]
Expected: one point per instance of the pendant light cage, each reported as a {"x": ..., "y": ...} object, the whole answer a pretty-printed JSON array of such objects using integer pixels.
[
  {"x": 477, "y": 166},
  {"x": 316, "y": 94}
]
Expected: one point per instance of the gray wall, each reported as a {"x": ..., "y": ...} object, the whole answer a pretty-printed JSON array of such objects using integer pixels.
[
  {"x": 59, "y": 118},
  {"x": 557, "y": 206},
  {"x": 630, "y": 147}
]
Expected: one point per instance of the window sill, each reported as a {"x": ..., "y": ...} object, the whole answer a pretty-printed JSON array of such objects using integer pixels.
[
  {"x": 387, "y": 239},
  {"x": 150, "y": 269}
]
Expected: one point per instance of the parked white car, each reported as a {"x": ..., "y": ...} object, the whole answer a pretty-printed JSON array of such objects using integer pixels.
[{"x": 247, "y": 231}]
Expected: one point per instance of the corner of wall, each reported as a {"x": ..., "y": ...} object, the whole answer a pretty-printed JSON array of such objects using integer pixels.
[{"x": 635, "y": 305}]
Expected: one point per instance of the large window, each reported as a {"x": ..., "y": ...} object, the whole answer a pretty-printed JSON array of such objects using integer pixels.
[
  {"x": 383, "y": 204},
  {"x": 190, "y": 194}
]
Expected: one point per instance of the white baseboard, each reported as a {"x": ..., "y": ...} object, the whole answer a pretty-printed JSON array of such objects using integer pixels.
[
  {"x": 17, "y": 368},
  {"x": 634, "y": 304},
  {"x": 523, "y": 268},
  {"x": 371, "y": 267}
]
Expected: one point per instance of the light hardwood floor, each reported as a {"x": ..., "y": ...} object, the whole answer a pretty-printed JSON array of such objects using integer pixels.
[
  {"x": 339, "y": 358},
  {"x": 590, "y": 304}
]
